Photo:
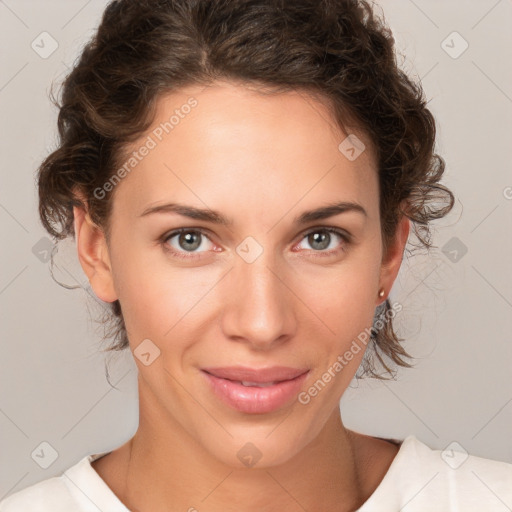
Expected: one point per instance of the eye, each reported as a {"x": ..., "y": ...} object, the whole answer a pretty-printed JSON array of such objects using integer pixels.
[
  {"x": 187, "y": 242},
  {"x": 322, "y": 238}
]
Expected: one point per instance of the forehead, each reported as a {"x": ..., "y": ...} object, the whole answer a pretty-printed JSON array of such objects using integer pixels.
[{"x": 228, "y": 143}]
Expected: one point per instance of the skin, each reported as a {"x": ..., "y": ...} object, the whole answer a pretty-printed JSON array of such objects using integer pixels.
[{"x": 260, "y": 160}]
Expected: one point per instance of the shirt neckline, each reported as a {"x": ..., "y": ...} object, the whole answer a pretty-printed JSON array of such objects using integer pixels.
[
  {"x": 85, "y": 481},
  {"x": 84, "y": 475}
]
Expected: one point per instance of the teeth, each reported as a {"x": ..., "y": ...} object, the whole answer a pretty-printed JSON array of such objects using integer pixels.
[{"x": 258, "y": 384}]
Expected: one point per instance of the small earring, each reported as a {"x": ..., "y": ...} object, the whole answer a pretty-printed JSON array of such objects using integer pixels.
[{"x": 381, "y": 293}]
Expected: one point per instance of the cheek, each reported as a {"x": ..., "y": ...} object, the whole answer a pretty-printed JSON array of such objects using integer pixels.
[
  {"x": 158, "y": 299},
  {"x": 341, "y": 329},
  {"x": 342, "y": 298}
]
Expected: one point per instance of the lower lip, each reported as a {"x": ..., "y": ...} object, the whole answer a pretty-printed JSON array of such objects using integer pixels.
[{"x": 254, "y": 400}]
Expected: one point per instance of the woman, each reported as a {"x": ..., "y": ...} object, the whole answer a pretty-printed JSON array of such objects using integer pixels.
[{"x": 240, "y": 177}]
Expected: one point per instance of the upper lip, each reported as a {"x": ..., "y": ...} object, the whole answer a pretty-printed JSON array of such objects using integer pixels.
[{"x": 261, "y": 375}]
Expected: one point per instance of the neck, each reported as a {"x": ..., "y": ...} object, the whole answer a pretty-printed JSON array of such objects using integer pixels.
[{"x": 168, "y": 470}]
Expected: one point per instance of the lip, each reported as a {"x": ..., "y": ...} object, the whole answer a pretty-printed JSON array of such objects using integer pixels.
[
  {"x": 270, "y": 374},
  {"x": 226, "y": 384}
]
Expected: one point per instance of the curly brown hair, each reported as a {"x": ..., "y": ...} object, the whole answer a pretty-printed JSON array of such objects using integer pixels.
[{"x": 338, "y": 50}]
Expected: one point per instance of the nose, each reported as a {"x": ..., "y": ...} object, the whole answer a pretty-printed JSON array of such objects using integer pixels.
[{"x": 260, "y": 307}]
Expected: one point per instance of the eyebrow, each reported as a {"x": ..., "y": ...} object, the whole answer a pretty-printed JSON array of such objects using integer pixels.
[{"x": 207, "y": 215}]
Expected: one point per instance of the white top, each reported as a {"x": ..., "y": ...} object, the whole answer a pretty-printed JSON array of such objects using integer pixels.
[{"x": 418, "y": 479}]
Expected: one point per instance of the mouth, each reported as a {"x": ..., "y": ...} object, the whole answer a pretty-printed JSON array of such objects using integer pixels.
[{"x": 254, "y": 391}]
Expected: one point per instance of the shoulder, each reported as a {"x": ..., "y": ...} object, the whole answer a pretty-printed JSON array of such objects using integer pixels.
[
  {"x": 78, "y": 489},
  {"x": 48, "y": 495},
  {"x": 451, "y": 478}
]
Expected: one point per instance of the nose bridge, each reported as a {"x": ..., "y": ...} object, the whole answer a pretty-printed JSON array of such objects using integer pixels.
[{"x": 259, "y": 309}]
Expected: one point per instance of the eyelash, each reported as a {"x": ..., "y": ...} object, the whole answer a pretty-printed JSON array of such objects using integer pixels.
[{"x": 190, "y": 256}]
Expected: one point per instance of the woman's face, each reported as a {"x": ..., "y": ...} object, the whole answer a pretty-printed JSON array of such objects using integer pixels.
[{"x": 260, "y": 290}]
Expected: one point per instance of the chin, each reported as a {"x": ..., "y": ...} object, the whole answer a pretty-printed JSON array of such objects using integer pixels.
[{"x": 258, "y": 448}]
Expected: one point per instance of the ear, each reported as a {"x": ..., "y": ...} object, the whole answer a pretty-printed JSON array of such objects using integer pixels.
[
  {"x": 392, "y": 260},
  {"x": 93, "y": 255}
]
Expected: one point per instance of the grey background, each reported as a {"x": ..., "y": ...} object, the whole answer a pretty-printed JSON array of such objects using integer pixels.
[{"x": 457, "y": 307}]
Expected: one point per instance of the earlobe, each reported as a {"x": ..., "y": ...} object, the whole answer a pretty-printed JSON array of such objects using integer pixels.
[{"x": 93, "y": 255}]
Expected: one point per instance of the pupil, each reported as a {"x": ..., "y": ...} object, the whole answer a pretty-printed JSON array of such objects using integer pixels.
[
  {"x": 322, "y": 239},
  {"x": 187, "y": 238}
]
